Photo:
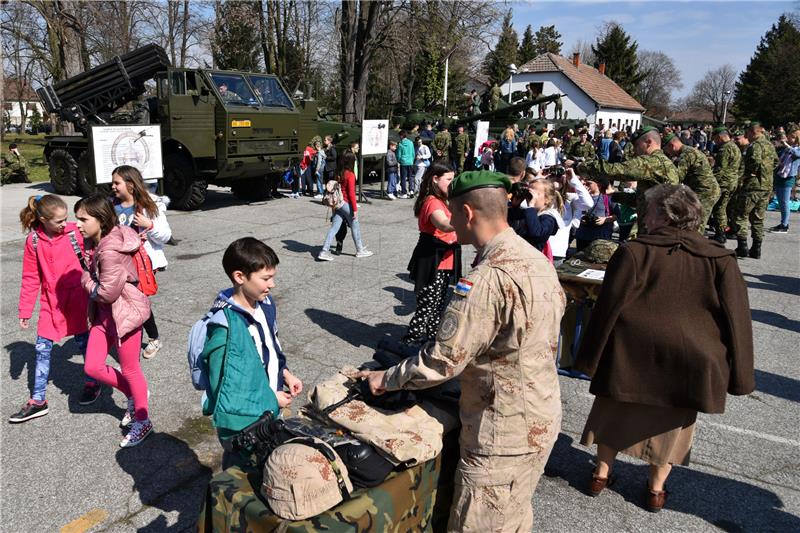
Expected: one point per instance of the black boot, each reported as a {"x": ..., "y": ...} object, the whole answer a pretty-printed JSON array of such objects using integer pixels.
[
  {"x": 719, "y": 236},
  {"x": 741, "y": 250},
  {"x": 755, "y": 250}
]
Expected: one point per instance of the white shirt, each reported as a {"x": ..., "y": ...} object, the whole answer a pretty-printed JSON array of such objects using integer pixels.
[
  {"x": 574, "y": 204},
  {"x": 550, "y": 156},
  {"x": 272, "y": 355}
]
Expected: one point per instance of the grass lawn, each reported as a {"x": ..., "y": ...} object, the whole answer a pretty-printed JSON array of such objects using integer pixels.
[{"x": 31, "y": 147}]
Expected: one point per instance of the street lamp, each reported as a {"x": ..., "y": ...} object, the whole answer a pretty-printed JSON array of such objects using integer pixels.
[
  {"x": 725, "y": 106},
  {"x": 512, "y": 69},
  {"x": 446, "y": 74}
]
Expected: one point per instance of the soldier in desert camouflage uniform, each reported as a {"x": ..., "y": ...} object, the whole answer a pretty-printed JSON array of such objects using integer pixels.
[
  {"x": 650, "y": 167},
  {"x": 500, "y": 334},
  {"x": 760, "y": 161},
  {"x": 694, "y": 172},
  {"x": 726, "y": 170}
]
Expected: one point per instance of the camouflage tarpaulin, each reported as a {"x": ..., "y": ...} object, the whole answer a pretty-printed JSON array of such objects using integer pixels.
[{"x": 417, "y": 499}]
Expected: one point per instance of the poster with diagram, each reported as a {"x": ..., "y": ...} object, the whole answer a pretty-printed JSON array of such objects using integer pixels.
[
  {"x": 374, "y": 137},
  {"x": 137, "y": 145}
]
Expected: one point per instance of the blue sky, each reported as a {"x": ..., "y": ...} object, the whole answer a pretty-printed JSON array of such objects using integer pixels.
[{"x": 697, "y": 35}]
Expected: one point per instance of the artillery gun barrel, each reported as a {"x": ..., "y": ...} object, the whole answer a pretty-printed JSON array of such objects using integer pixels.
[{"x": 504, "y": 111}]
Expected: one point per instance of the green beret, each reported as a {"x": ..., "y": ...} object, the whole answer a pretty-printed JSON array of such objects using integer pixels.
[
  {"x": 642, "y": 131},
  {"x": 668, "y": 137},
  {"x": 478, "y": 179},
  {"x": 753, "y": 124},
  {"x": 720, "y": 129}
]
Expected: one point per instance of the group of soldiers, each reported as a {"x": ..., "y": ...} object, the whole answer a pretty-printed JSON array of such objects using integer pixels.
[
  {"x": 453, "y": 150},
  {"x": 739, "y": 181}
]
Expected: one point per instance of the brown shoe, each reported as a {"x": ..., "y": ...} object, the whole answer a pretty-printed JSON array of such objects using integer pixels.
[
  {"x": 656, "y": 500},
  {"x": 598, "y": 484}
]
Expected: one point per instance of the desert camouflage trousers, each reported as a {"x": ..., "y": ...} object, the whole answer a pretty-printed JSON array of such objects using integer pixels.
[{"x": 493, "y": 492}]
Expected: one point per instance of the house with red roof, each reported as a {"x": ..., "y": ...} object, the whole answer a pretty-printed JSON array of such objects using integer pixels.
[{"x": 590, "y": 94}]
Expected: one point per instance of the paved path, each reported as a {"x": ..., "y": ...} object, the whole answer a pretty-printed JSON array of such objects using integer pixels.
[{"x": 66, "y": 469}]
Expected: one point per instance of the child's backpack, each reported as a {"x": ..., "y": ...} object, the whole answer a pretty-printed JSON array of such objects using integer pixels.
[
  {"x": 333, "y": 195},
  {"x": 197, "y": 341},
  {"x": 144, "y": 268}
]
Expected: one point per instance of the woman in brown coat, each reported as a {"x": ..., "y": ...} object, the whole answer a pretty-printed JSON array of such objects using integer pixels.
[{"x": 670, "y": 335}]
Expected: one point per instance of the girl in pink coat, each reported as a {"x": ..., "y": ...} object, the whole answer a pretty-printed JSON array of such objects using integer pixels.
[
  {"x": 50, "y": 263},
  {"x": 117, "y": 310}
]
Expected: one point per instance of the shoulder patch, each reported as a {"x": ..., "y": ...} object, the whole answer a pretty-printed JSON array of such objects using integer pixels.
[
  {"x": 463, "y": 287},
  {"x": 448, "y": 327}
]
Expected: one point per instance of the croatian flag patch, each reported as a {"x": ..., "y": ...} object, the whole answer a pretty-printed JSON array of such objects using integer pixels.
[{"x": 463, "y": 287}]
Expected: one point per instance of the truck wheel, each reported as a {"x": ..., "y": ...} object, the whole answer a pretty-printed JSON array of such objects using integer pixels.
[
  {"x": 86, "y": 179},
  {"x": 251, "y": 189},
  {"x": 63, "y": 172},
  {"x": 185, "y": 192}
]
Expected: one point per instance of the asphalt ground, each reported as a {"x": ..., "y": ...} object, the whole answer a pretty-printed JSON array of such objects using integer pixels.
[{"x": 65, "y": 470}]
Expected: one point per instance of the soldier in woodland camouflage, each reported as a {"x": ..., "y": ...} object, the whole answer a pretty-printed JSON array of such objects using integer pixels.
[
  {"x": 460, "y": 149},
  {"x": 500, "y": 334},
  {"x": 760, "y": 161},
  {"x": 726, "y": 170},
  {"x": 650, "y": 167},
  {"x": 441, "y": 145},
  {"x": 495, "y": 94},
  {"x": 694, "y": 172},
  {"x": 583, "y": 149}
]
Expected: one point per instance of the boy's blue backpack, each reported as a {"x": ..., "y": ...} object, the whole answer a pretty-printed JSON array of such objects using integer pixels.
[{"x": 197, "y": 341}]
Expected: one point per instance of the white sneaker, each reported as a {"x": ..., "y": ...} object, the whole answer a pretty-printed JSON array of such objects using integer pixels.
[
  {"x": 138, "y": 432},
  {"x": 128, "y": 417},
  {"x": 318, "y": 197},
  {"x": 151, "y": 349},
  {"x": 392, "y": 196},
  {"x": 403, "y": 196},
  {"x": 325, "y": 255},
  {"x": 364, "y": 253}
]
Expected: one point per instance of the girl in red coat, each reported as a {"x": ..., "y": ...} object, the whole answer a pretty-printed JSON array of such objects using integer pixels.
[
  {"x": 49, "y": 263},
  {"x": 117, "y": 309}
]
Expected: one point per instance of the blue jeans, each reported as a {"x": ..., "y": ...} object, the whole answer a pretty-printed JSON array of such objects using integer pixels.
[
  {"x": 44, "y": 348},
  {"x": 783, "y": 194},
  {"x": 406, "y": 176},
  {"x": 392, "y": 183},
  {"x": 320, "y": 190},
  {"x": 343, "y": 214}
]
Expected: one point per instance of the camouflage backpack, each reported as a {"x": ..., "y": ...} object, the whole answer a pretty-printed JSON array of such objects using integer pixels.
[{"x": 598, "y": 251}]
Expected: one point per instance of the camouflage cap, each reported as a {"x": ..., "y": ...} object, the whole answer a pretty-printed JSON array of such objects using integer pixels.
[
  {"x": 478, "y": 179},
  {"x": 598, "y": 251},
  {"x": 304, "y": 477},
  {"x": 641, "y": 131}
]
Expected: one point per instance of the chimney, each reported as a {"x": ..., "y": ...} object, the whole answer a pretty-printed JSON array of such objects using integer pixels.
[
  {"x": 602, "y": 69},
  {"x": 576, "y": 59}
]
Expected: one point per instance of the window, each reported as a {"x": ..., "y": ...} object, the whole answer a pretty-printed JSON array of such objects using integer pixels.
[
  {"x": 270, "y": 91},
  {"x": 178, "y": 83},
  {"x": 233, "y": 89}
]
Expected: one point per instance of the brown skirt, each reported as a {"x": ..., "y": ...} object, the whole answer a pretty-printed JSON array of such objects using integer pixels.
[{"x": 658, "y": 435}]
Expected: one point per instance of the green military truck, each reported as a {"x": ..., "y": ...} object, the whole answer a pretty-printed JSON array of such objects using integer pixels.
[{"x": 236, "y": 129}]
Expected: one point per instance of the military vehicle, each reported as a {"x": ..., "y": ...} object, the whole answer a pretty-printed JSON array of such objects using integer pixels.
[{"x": 237, "y": 129}]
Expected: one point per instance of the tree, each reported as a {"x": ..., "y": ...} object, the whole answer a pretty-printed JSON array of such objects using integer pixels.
[
  {"x": 527, "y": 48},
  {"x": 236, "y": 43},
  {"x": 768, "y": 87},
  {"x": 496, "y": 63},
  {"x": 615, "y": 48},
  {"x": 661, "y": 78},
  {"x": 713, "y": 90},
  {"x": 547, "y": 40}
]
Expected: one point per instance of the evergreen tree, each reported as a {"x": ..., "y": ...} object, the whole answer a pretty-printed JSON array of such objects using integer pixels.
[
  {"x": 547, "y": 40},
  {"x": 767, "y": 89},
  {"x": 616, "y": 49},
  {"x": 495, "y": 65},
  {"x": 527, "y": 48},
  {"x": 236, "y": 42}
]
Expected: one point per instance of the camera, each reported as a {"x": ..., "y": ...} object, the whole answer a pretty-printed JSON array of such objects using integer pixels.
[
  {"x": 260, "y": 437},
  {"x": 521, "y": 192},
  {"x": 557, "y": 171},
  {"x": 590, "y": 219}
]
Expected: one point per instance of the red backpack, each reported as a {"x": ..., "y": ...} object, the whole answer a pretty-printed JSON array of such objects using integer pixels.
[{"x": 144, "y": 268}]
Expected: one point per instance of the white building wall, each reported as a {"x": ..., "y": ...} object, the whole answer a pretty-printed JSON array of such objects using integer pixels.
[
  {"x": 15, "y": 115},
  {"x": 577, "y": 104},
  {"x": 619, "y": 118}
]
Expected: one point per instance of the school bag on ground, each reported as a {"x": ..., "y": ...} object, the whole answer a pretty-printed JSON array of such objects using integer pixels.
[{"x": 333, "y": 195}]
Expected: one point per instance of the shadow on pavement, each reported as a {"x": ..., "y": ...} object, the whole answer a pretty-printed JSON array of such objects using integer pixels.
[
  {"x": 167, "y": 475},
  {"x": 65, "y": 375},
  {"x": 771, "y": 282},
  {"x": 352, "y": 331},
  {"x": 777, "y": 385},
  {"x": 712, "y": 498},
  {"x": 408, "y": 302},
  {"x": 775, "y": 319},
  {"x": 301, "y": 248}
]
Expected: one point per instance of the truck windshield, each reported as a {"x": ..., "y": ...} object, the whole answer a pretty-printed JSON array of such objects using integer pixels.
[
  {"x": 270, "y": 91},
  {"x": 233, "y": 89}
]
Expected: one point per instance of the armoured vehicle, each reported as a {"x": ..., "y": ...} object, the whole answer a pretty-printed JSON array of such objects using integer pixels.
[{"x": 237, "y": 129}]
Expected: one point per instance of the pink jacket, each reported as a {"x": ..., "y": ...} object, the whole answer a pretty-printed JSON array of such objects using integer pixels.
[
  {"x": 54, "y": 267},
  {"x": 113, "y": 268}
]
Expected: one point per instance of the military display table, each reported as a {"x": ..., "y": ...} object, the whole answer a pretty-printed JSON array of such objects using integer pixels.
[
  {"x": 417, "y": 499},
  {"x": 581, "y": 282}
]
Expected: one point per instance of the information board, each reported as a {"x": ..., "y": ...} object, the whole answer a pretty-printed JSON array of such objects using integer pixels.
[
  {"x": 481, "y": 135},
  {"x": 137, "y": 145},
  {"x": 374, "y": 137}
]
